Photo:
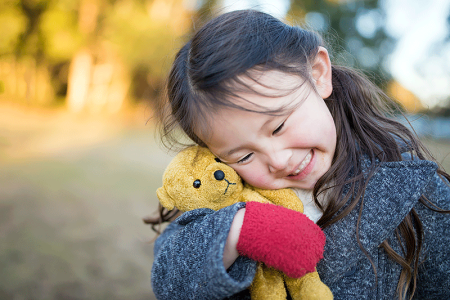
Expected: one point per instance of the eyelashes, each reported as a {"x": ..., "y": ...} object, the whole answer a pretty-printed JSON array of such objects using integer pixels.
[
  {"x": 278, "y": 128},
  {"x": 248, "y": 156},
  {"x": 245, "y": 158}
]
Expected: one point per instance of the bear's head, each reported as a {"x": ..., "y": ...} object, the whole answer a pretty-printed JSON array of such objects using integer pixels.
[{"x": 195, "y": 178}]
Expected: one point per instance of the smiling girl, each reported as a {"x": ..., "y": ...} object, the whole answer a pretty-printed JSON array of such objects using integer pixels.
[
  {"x": 264, "y": 97},
  {"x": 293, "y": 149}
]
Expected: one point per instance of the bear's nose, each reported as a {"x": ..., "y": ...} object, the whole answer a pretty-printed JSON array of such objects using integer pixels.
[{"x": 219, "y": 175}]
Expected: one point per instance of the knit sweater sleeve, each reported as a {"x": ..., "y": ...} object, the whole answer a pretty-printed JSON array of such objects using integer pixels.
[
  {"x": 188, "y": 260},
  {"x": 434, "y": 271}
]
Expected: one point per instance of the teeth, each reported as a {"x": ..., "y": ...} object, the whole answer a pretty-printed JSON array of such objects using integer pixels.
[{"x": 303, "y": 165}]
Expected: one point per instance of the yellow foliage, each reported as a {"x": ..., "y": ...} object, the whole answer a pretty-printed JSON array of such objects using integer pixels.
[
  {"x": 13, "y": 24},
  {"x": 60, "y": 31},
  {"x": 405, "y": 97}
]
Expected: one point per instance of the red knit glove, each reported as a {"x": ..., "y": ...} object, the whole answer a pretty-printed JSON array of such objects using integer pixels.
[{"x": 281, "y": 238}]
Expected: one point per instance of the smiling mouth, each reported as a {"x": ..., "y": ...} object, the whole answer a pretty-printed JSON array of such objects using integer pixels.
[{"x": 303, "y": 165}]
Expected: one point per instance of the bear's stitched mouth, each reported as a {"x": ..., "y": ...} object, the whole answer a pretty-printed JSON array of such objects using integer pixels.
[{"x": 229, "y": 183}]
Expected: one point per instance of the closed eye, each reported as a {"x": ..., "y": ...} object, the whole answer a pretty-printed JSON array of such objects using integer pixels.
[
  {"x": 278, "y": 129},
  {"x": 245, "y": 158}
]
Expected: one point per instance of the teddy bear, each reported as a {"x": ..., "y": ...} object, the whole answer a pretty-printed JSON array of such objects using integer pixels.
[{"x": 195, "y": 178}]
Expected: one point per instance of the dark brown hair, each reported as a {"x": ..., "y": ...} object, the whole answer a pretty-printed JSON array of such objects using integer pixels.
[{"x": 206, "y": 72}]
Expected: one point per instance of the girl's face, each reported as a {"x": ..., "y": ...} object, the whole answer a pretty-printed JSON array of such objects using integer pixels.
[{"x": 273, "y": 152}]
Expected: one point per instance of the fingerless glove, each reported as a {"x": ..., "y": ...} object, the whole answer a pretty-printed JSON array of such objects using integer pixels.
[{"x": 281, "y": 238}]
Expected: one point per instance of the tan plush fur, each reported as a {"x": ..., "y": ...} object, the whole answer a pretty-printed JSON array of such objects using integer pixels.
[{"x": 198, "y": 164}]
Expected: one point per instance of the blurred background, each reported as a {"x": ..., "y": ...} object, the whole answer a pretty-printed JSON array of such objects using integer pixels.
[{"x": 79, "y": 160}]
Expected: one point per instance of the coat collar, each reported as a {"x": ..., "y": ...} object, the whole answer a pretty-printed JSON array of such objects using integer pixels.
[{"x": 390, "y": 195}]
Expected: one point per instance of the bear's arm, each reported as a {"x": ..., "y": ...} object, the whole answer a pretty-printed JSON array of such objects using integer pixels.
[
  {"x": 188, "y": 260},
  {"x": 282, "y": 197}
]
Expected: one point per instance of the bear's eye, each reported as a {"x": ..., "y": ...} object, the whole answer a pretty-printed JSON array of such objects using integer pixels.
[
  {"x": 197, "y": 183},
  {"x": 218, "y": 160}
]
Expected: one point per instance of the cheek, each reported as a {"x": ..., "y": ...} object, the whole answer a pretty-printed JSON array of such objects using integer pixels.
[{"x": 322, "y": 133}]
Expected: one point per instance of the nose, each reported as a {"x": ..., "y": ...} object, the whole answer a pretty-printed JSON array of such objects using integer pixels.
[
  {"x": 219, "y": 175},
  {"x": 279, "y": 160}
]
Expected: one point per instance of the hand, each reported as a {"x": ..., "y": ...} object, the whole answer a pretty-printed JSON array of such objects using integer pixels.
[
  {"x": 281, "y": 238},
  {"x": 230, "y": 252}
]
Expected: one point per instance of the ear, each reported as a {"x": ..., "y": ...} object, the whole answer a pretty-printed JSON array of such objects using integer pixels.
[
  {"x": 164, "y": 198},
  {"x": 321, "y": 73}
]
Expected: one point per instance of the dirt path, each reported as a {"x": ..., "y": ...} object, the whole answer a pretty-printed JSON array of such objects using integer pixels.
[{"x": 73, "y": 192}]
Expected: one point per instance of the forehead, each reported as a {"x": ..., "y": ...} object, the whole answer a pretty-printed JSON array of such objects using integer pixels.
[
  {"x": 257, "y": 84},
  {"x": 257, "y": 93}
]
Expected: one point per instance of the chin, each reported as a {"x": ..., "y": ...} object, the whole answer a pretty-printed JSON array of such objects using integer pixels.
[{"x": 304, "y": 186}]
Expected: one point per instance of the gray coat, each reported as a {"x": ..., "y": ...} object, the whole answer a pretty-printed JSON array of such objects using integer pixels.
[{"x": 188, "y": 255}]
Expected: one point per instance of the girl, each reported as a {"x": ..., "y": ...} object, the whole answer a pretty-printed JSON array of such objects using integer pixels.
[{"x": 265, "y": 99}]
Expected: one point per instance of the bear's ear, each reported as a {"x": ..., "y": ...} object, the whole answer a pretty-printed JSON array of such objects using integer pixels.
[{"x": 164, "y": 198}]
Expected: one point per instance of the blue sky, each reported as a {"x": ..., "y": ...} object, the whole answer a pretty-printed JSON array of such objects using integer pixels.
[{"x": 420, "y": 61}]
